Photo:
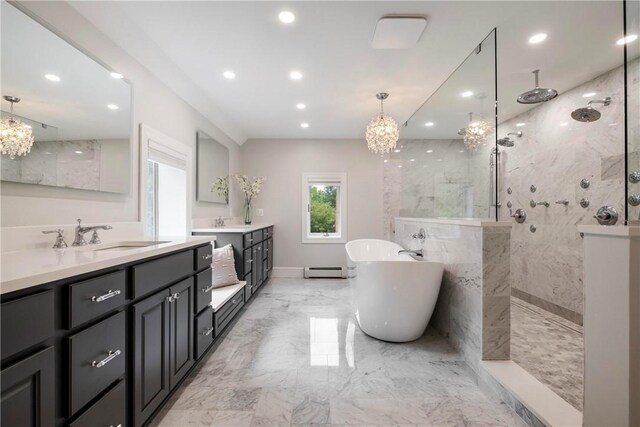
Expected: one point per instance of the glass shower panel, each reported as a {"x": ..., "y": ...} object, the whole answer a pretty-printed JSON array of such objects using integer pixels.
[
  {"x": 445, "y": 163},
  {"x": 632, "y": 46}
]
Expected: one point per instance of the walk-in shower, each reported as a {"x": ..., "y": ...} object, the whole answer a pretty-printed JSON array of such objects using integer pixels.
[
  {"x": 588, "y": 113},
  {"x": 538, "y": 94}
]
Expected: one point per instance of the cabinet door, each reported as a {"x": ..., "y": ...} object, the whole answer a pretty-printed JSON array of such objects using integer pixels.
[
  {"x": 270, "y": 254},
  {"x": 151, "y": 354},
  {"x": 254, "y": 270},
  {"x": 181, "y": 347},
  {"x": 28, "y": 391}
]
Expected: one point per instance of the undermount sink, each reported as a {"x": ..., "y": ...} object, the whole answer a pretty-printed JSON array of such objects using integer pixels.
[{"x": 125, "y": 246}]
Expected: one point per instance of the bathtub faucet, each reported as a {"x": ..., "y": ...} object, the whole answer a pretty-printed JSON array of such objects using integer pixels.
[
  {"x": 416, "y": 253},
  {"x": 421, "y": 234}
]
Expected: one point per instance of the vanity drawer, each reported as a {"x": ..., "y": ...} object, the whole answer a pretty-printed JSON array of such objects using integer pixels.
[
  {"x": 26, "y": 322},
  {"x": 204, "y": 256},
  {"x": 248, "y": 287},
  {"x": 109, "y": 411},
  {"x": 204, "y": 331},
  {"x": 204, "y": 287},
  {"x": 228, "y": 311},
  {"x": 94, "y": 297},
  {"x": 248, "y": 260},
  {"x": 257, "y": 236},
  {"x": 96, "y": 360},
  {"x": 156, "y": 274},
  {"x": 267, "y": 232},
  {"x": 247, "y": 240}
]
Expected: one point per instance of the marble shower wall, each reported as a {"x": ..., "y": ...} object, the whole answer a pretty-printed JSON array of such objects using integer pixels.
[
  {"x": 554, "y": 154},
  {"x": 473, "y": 308},
  {"x": 433, "y": 178}
]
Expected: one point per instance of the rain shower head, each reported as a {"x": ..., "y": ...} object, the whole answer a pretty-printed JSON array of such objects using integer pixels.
[
  {"x": 589, "y": 114},
  {"x": 508, "y": 142},
  {"x": 538, "y": 94}
]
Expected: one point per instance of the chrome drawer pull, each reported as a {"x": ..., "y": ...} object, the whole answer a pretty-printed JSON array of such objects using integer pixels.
[
  {"x": 249, "y": 260},
  {"x": 209, "y": 289},
  {"x": 207, "y": 331},
  {"x": 119, "y": 425},
  {"x": 207, "y": 256},
  {"x": 110, "y": 356},
  {"x": 109, "y": 294},
  {"x": 233, "y": 302},
  {"x": 173, "y": 297}
]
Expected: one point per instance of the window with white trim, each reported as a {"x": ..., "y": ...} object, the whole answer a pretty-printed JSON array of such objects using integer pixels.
[{"x": 324, "y": 208}]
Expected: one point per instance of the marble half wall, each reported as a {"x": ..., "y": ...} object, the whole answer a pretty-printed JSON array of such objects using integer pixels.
[{"x": 473, "y": 310}]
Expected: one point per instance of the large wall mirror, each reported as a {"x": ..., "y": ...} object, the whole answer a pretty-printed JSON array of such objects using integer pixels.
[
  {"x": 78, "y": 110},
  {"x": 213, "y": 170}
]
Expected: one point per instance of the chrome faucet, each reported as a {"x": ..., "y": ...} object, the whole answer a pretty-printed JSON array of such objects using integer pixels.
[
  {"x": 81, "y": 231},
  {"x": 60, "y": 243},
  {"x": 418, "y": 252},
  {"x": 421, "y": 234},
  {"x": 533, "y": 204}
]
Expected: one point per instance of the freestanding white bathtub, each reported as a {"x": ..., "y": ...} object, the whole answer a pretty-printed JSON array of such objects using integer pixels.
[{"x": 394, "y": 294}]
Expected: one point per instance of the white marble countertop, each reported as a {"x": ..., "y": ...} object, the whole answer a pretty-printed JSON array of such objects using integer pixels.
[
  {"x": 220, "y": 296},
  {"x": 26, "y": 268},
  {"x": 232, "y": 228}
]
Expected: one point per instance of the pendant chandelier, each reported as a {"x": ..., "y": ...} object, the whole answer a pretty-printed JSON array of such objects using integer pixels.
[
  {"x": 382, "y": 131},
  {"x": 476, "y": 133},
  {"x": 16, "y": 137}
]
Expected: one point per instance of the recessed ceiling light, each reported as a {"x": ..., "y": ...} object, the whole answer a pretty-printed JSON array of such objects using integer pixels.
[
  {"x": 520, "y": 124},
  {"x": 229, "y": 75},
  {"x": 295, "y": 75},
  {"x": 400, "y": 166},
  {"x": 537, "y": 38},
  {"x": 397, "y": 150},
  {"x": 461, "y": 151},
  {"x": 286, "y": 16},
  {"x": 429, "y": 151},
  {"x": 304, "y": 125},
  {"x": 628, "y": 39},
  {"x": 589, "y": 94},
  {"x": 412, "y": 160},
  {"x": 467, "y": 94},
  {"x": 78, "y": 152},
  {"x": 564, "y": 124},
  {"x": 428, "y": 124},
  {"x": 112, "y": 107},
  {"x": 52, "y": 77},
  {"x": 116, "y": 75},
  {"x": 385, "y": 160},
  {"x": 301, "y": 106}
]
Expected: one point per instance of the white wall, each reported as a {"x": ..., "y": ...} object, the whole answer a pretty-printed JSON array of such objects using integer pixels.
[
  {"x": 282, "y": 163},
  {"x": 153, "y": 104}
]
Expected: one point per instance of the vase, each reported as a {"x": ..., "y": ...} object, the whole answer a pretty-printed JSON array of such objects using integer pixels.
[{"x": 247, "y": 213}]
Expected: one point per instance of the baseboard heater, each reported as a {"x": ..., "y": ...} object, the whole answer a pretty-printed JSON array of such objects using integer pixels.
[{"x": 325, "y": 272}]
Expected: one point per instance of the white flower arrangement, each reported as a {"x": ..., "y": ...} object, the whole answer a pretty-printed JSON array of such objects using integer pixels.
[
  {"x": 248, "y": 187},
  {"x": 221, "y": 186}
]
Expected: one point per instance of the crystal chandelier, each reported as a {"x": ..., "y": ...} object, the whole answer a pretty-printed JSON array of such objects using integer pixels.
[
  {"x": 16, "y": 138},
  {"x": 382, "y": 131},
  {"x": 476, "y": 133}
]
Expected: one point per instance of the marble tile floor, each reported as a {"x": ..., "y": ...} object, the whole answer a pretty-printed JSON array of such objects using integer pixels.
[
  {"x": 550, "y": 348},
  {"x": 297, "y": 357}
]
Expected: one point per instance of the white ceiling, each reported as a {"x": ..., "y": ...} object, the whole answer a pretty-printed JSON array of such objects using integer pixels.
[
  {"x": 77, "y": 104},
  {"x": 190, "y": 44}
]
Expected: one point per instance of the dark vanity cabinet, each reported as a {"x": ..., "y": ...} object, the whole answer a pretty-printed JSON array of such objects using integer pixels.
[
  {"x": 253, "y": 254},
  {"x": 105, "y": 348}
]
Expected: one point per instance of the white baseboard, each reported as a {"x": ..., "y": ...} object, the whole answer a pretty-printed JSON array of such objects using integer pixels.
[{"x": 288, "y": 272}]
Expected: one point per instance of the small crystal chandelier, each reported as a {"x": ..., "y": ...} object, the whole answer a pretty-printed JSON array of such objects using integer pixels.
[
  {"x": 16, "y": 138},
  {"x": 382, "y": 131},
  {"x": 476, "y": 133}
]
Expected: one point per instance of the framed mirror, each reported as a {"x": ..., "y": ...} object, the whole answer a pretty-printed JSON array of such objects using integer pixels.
[
  {"x": 77, "y": 110},
  {"x": 212, "y": 182}
]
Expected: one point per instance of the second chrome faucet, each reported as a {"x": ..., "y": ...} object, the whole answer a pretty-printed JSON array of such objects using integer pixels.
[{"x": 81, "y": 231}]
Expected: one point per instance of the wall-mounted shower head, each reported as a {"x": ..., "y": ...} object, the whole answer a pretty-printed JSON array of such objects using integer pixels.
[
  {"x": 508, "y": 142},
  {"x": 589, "y": 114},
  {"x": 537, "y": 94}
]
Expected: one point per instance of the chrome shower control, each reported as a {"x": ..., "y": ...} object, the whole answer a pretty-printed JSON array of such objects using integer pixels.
[
  {"x": 533, "y": 188},
  {"x": 533, "y": 204},
  {"x": 520, "y": 216},
  {"x": 585, "y": 183},
  {"x": 634, "y": 199},
  {"x": 509, "y": 204},
  {"x": 509, "y": 190},
  {"x": 562, "y": 202},
  {"x": 584, "y": 203},
  {"x": 606, "y": 215},
  {"x": 634, "y": 177},
  {"x": 532, "y": 228}
]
